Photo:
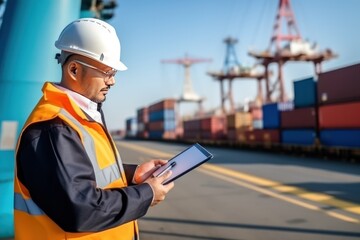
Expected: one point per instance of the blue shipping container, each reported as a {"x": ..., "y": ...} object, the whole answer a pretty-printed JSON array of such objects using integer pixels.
[
  {"x": 271, "y": 114},
  {"x": 340, "y": 138},
  {"x": 158, "y": 134},
  {"x": 305, "y": 93},
  {"x": 169, "y": 125},
  {"x": 166, "y": 114},
  {"x": 298, "y": 136}
]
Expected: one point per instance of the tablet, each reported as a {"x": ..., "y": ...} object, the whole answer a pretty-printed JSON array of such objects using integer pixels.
[{"x": 184, "y": 162}]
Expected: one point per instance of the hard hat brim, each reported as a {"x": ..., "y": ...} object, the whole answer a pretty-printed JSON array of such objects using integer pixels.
[{"x": 120, "y": 66}]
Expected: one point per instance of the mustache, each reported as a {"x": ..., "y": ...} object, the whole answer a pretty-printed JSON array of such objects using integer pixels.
[{"x": 106, "y": 88}]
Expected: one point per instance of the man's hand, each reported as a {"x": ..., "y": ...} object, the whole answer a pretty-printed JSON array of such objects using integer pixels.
[
  {"x": 145, "y": 170},
  {"x": 158, "y": 188}
]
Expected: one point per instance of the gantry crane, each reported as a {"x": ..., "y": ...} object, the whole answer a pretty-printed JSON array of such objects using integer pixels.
[
  {"x": 188, "y": 94},
  {"x": 232, "y": 69},
  {"x": 294, "y": 49}
]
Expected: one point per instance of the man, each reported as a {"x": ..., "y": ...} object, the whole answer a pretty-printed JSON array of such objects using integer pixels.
[{"x": 70, "y": 182}]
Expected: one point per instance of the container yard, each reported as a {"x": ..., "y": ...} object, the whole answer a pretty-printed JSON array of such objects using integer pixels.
[{"x": 321, "y": 120}]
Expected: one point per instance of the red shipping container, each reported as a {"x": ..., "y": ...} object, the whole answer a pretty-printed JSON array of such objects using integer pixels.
[
  {"x": 190, "y": 125},
  {"x": 256, "y": 113},
  {"x": 142, "y": 134},
  {"x": 346, "y": 115},
  {"x": 263, "y": 136},
  {"x": 190, "y": 135},
  {"x": 213, "y": 123},
  {"x": 299, "y": 118},
  {"x": 142, "y": 115},
  {"x": 162, "y": 105},
  {"x": 340, "y": 85},
  {"x": 236, "y": 135},
  {"x": 211, "y": 135}
]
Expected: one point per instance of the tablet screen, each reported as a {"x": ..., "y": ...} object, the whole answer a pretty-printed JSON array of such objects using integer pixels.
[{"x": 185, "y": 161}]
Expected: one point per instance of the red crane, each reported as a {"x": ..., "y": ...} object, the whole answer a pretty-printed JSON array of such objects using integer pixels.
[
  {"x": 284, "y": 13},
  {"x": 295, "y": 49}
]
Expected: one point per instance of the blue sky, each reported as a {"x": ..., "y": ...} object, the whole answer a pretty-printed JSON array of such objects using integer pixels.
[{"x": 151, "y": 31}]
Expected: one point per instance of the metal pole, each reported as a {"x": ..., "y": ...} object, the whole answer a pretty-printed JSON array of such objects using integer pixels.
[{"x": 27, "y": 35}]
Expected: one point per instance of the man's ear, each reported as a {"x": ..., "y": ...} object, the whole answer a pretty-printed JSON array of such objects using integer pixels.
[{"x": 72, "y": 70}]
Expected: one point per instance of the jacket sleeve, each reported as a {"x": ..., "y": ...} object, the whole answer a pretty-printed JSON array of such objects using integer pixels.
[
  {"x": 129, "y": 172},
  {"x": 53, "y": 165}
]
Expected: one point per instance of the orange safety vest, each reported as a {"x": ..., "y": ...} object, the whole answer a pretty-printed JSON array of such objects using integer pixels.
[{"x": 31, "y": 223}]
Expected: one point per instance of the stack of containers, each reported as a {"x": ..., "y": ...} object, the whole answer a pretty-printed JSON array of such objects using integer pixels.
[
  {"x": 131, "y": 127},
  {"x": 237, "y": 124},
  {"x": 213, "y": 128},
  {"x": 256, "y": 116},
  {"x": 339, "y": 107},
  {"x": 207, "y": 128},
  {"x": 143, "y": 121},
  {"x": 270, "y": 134},
  {"x": 162, "y": 121},
  {"x": 192, "y": 129},
  {"x": 298, "y": 126}
]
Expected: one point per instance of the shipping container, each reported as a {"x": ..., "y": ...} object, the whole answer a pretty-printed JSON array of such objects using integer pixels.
[
  {"x": 345, "y": 115},
  {"x": 236, "y": 135},
  {"x": 192, "y": 125},
  {"x": 131, "y": 127},
  {"x": 213, "y": 123},
  {"x": 271, "y": 113},
  {"x": 339, "y": 85},
  {"x": 256, "y": 113},
  {"x": 258, "y": 124},
  {"x": 143, "y": 115},
  {"x": 340, "y": 138},
  {"x": 164, "y": 104},
  {"x": 299, "y": 118},
  {"x": 213, "y": 128},
  {"x": 298, "y": 136},
  {"x": 263, "y": 136},
  {"x": 165, "y": 114},
  {"x": 192, "y": 135},
  {"x": 142, "y": 134},
  {"x": 239, "y": 120},
  {"x": 212, "y": 135},
  {"x": 167, "y": 125},
  {"x": 162, "y": 135},
  {"x": 305, "y": 93}
]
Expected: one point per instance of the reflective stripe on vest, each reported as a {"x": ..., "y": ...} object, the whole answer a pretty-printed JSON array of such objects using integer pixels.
[
  {"x": 105, "y": 176},
  {"x": 26, "y": 205}
]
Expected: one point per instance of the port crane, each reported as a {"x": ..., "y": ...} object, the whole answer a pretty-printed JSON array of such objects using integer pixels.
[
  {"x": 288, "y": 46},
  {"x": 232, "y": 69},
  {"x": 188, "y": 94}
]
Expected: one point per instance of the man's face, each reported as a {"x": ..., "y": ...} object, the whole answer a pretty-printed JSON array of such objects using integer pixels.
[{"x": 95, "y": 79}]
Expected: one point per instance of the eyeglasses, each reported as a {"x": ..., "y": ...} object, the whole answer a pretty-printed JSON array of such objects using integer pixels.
[{"x": 109, "y": 74}]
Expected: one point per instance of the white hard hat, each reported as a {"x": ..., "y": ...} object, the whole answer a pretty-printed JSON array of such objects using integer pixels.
[{"x": 92, "y": 38}]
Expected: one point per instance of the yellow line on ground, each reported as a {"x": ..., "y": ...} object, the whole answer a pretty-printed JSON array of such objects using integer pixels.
[
  {"x": 285, "y": 189},
  {"x": 258, "y": 189},
  {"x": 258, "y": 181},
  {"x": 265, "y": 186},
  {"x": 302, "y": 193},
  {"x": 279, "y": 196},
  {"x": 342, "y": 217},
  {"x": 153, "y": 152}
]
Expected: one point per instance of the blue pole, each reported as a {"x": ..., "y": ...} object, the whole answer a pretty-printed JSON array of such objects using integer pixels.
[{"x": 27, "y": 35}]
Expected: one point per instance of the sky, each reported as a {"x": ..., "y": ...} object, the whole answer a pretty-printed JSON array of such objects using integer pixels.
[{"x": 152, "y": 31}]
